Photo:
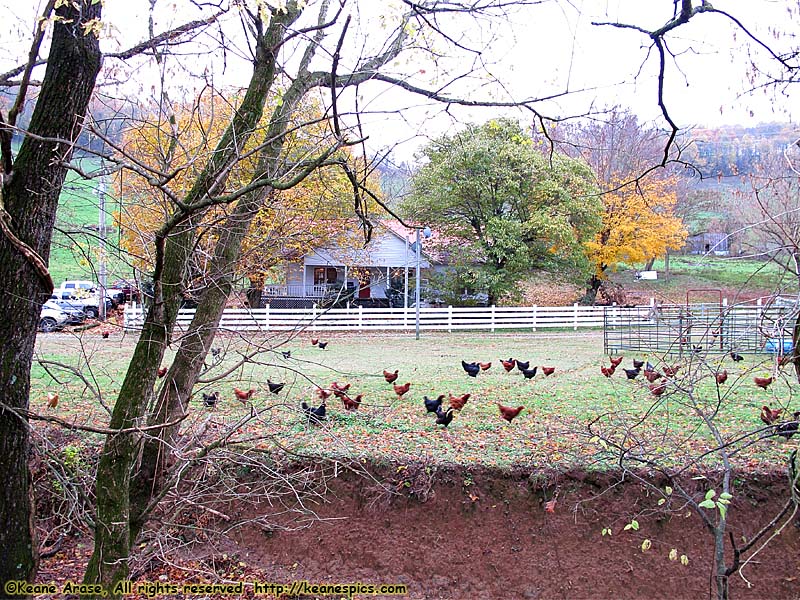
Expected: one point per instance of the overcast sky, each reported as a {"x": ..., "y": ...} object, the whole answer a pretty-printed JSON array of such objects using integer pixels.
[{"x": 542, "y": 50}]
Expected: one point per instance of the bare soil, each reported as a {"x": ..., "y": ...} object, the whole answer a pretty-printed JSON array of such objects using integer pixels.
[{"x": 488, "y": 534}]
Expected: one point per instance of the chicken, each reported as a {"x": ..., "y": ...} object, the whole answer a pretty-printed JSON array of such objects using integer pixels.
[
  {"x": 210, "y": 400},
  {"x": 389, "y": 376},
  {"x": 548, "y": 371},
  {"x": 736, "y": 357},
  {"x": 314, "y": 341},
  {"x": 607, "y": 371},
  {"x": 105, "y": 334},
  {"x": 509, "y": 364},
  {"x": 215, "y": 352},
  {"x": 638, "y": 364},
  {"x": 523, "y": 365},
  {"x": 631, "y": 373},
  {"x": 529, "y": 373},
  {"x": 339, "y": 390},
  {"x": 788, "y": 428},
  {"x": 315, "y": 415},
  {"x": 648, "y": 366},
  {"x": 670, "y": 371},
  {"x": 444, "y": 418},
  {"x": 770, "y": 415},
  {"x": 508, "y": 413},
  {"x": 471, "y": 369},
  {"x": 351, "y": 403},
  {"x": 286, "y": 353},
  {"x": 697, "y": 348},
  {"x": 52, "y": 399},
  {"x": 722, "y": 376},
  {"x": 657, "y": 388},
  {"x": 433, "y": 405},
  {"x": 322, "y": 345},
  {"x": 458, "y": 402},
  {"x": 161, "y": 372},
  {"x": 275, "y": 388},
  {"x": 401, "y": 389},
  {"x": 485, "y": 366},
  {"x": 652, "y": 376},
  {"x": 244, "y": 396},
  {"x": 323, "y": 394},
  {"x": 763, "y": 382},
  {"x": 615, "y": 362}
]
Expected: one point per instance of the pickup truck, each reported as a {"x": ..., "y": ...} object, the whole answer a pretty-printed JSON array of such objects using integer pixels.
[{"x": 83, "y": 295}]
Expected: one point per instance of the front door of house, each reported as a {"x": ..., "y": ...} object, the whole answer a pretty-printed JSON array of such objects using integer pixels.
[{"x": 363, "y": 286}]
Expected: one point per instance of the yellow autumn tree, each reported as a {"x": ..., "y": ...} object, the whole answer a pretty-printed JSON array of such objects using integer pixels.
[
  {"x": 639, "y": 223},
  {"x": 293, "y": 222}
]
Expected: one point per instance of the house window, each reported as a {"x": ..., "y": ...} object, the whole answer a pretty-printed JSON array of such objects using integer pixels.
[{"x": 324, "y": 275}]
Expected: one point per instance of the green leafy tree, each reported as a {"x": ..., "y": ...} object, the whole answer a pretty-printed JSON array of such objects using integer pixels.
[{"x": 503, "y": 208}]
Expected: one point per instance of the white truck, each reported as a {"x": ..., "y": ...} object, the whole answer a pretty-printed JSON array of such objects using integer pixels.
[{"x": 83, "y": 293}]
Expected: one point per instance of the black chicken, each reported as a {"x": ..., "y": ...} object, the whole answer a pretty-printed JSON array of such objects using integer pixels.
[
  {"x": 215, "y": 352},
  {"x": 274, "y": 387},
  {"x": 433, "y": 406},
  {"x": 472, "y": 369},
  {"x": 315, "y": 415},
  {"x": 322, "y": 345},
  {"x": 210, "y": 400},
  {"x": 529, "y": 373},
  {"x": 523, "y": 365},
  {"x": 286, "y": 353},
  {"x": 638, "y": 364},
  {"x": 788, "y": 428},
  {"x": 736, "y": 357},
  {"x": 631, "y": 373},
  {"x": 444, "y": 418}
]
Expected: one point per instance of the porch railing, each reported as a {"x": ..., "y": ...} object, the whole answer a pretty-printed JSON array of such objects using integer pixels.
[{"x": 320, "y": 290}]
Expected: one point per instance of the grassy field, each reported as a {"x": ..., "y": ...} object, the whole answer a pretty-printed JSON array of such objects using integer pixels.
[
  {"x": 74, "y": 254},
  {"x": 551, "y": 431}
]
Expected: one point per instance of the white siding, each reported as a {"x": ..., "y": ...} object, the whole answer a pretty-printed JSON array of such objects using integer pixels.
[{"x": 384, "y": 250}]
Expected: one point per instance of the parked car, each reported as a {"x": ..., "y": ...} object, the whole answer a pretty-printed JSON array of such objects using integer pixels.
[
  {"x": 122, "y": 291},
  {"x": 72, "y": 289},
  {"x": 74, "y": 309},
  {"x": 52, "y": 317}
]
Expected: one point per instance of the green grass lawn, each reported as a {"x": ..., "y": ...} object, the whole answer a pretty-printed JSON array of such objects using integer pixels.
[
  {"x": 75, "y": 253},
  {"x": 552, "y": 431}
]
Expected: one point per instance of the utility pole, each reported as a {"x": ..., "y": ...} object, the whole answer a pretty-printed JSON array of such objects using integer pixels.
[{"x": 101, "y": 273}]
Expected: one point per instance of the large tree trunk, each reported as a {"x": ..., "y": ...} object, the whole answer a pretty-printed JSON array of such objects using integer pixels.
[
  {"x": 30, "y": 194},
  {"x": 592, "y": 288}
]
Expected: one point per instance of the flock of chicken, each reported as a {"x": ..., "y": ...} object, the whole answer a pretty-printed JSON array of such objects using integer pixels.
[{"x": 768, "y": 415}]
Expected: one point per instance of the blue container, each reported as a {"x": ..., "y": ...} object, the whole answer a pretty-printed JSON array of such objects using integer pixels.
[{"x": 774, "y": 344}]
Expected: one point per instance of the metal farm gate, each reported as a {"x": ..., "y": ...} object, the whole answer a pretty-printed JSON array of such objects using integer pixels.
[{"x": 708, "y": 328}]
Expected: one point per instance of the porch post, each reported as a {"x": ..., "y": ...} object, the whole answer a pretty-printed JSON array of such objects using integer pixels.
[{"x": 405, "y": 294}]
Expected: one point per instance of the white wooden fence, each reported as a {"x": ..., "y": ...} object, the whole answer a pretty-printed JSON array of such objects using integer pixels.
[
  {"x": 490, "y": 318},
  {"x": 366, "y": 319}
]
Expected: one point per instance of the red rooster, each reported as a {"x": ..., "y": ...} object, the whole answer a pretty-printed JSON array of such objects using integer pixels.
[
  {"x": 339, "y": 390},
  {"x": 161, "y": 372},
  {"x": 351, "y": 403},
  {"x": 485, "y": 366},
  {"x": 657, "y": 388},
  {"x": 770, "y": 415},
  {"x": 52, "y": 399},
  {"x": 458, "y": 402},
  {"x": 401, "y": 389},
  {"x": 323, "y": 394},
  {"x": 722, "y": 376},
  {"x": 548, "y": 371},
  {"x": 652, "y": 376},
  {"x": 763, "y": 382},
  {"x": 670, "y": 371},
  {"x": 509, "y": 413},
  {"x": 242, "y": 395},
  {"x": 389, "y": 376},
  {"x": 615, "y": 362},
  {"x": 314, "y": 341},
  {"x": 509, "y": 364},
  {"x": 607, "y": 371}
]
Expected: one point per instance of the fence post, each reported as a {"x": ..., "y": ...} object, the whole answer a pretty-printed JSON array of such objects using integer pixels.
[
  {"x": 533, "y": 318},
  {"x": 360, "y": 317},
  {"x": 449, "y": 318},
  {"x": 492, "y": 318},
  {"x": 575, "y": 321},
  {"x": 314, "y": 317},
  {"x": 266, "y": 317},
  {"x": 126, "y": 317}
]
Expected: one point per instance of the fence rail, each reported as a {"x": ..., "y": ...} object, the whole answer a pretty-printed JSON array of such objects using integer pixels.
[
  {"x": 625, "y": 327},
  {"x": 449, "y": 318}
]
